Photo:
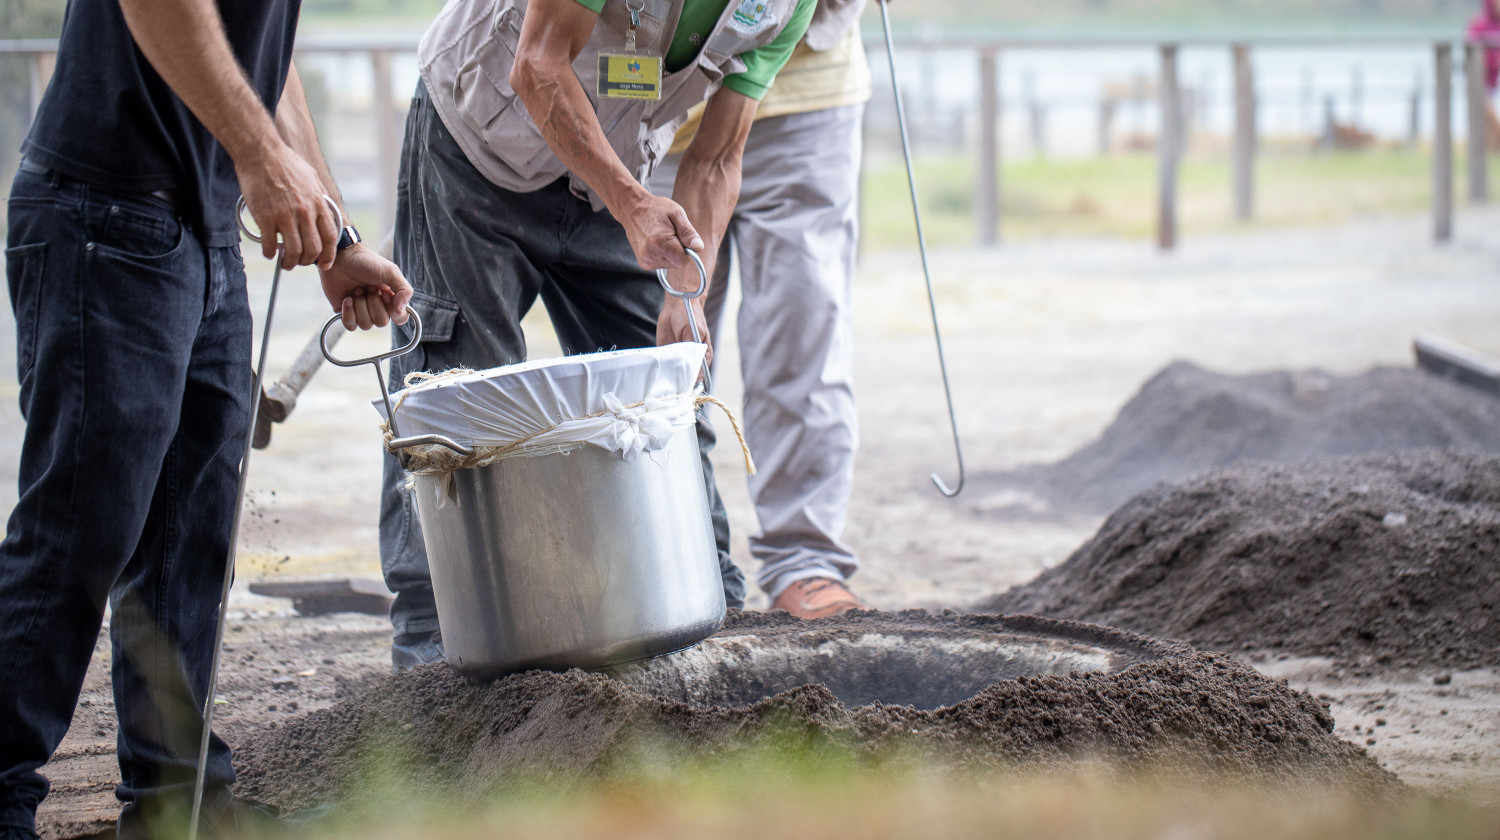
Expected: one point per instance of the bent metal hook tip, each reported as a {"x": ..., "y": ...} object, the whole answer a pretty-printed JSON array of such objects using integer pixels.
[{"x": 916, "y": 209}]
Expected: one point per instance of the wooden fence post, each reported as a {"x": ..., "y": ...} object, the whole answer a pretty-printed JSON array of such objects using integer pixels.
[
  {"x": 1442, "y": 143},
  {"x": 989, "y": 147},
  {"x": 1106, "y": 125},
  {"x": 1244, "y": 133},
  {"x": 387, "y": 139},
  {"x": 42, "y": 65},
  {"x": 1357, "y": 96},
  {"x": 1168, "y": 146},
  {"x": 1038, "y": 114},
  {"x": 1308, "y": 97},
  {"x": 1414, "y": 118},
  {"x": 1479, "y": 109}
]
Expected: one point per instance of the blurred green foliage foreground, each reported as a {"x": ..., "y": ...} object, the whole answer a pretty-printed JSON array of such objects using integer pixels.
[{"x": 790, "y": 792}]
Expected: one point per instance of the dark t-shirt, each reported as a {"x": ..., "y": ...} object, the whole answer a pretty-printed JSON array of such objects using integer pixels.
[{"x": 109, "y": 119}]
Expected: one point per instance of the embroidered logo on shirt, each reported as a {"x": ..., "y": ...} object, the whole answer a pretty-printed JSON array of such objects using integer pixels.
[{"x": 752, "y": 17}]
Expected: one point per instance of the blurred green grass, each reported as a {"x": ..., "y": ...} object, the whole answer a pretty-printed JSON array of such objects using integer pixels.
[
  {"x": 1115, "y": 196},
  {"x": 789, "y": 790}
]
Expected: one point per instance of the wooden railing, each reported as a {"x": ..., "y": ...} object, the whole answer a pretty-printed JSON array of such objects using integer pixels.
[
  {"x": 988, "y": 53},
  {"x": 1171, "y": 136}
]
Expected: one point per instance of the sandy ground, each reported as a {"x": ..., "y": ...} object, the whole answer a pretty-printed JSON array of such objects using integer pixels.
[{"x": 1045, "y": 342}]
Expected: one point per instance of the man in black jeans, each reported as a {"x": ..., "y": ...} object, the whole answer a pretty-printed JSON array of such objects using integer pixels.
[{"x": 133, "y": 332}]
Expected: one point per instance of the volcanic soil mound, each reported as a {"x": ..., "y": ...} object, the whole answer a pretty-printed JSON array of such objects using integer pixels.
[
  {"x": 1185, "y": 420},
  {"x": 1387, "y": 560},
  {"x": 1145, "y": 704}
]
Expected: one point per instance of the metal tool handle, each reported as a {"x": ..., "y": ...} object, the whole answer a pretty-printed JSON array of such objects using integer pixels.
[
  {"x": 374, "y": 361},
  {"x": 916, "y": 209},
  {"x": 200, "y": 777},
  {"x": 416, "y": 338},
  {"x": 687, "y": 298},
  {"x": 254, "y": 235}
]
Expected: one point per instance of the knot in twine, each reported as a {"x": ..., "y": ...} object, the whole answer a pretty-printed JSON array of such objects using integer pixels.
[{"x": 635, "y": 429}]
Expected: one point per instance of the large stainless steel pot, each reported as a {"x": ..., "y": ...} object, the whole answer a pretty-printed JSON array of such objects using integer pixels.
[
  {"x": 572, "y": 560},
  {"x": 567, "y": 560}
]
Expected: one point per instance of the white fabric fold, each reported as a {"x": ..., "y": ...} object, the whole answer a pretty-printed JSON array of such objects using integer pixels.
[{"x": 624, "y": 401}]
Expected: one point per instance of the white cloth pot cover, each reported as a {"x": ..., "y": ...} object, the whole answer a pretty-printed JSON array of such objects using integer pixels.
[{"x": 641, "y": 398}]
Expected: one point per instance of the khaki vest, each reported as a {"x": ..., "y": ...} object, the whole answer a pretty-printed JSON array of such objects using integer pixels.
[{"x": 466, "y": 56}]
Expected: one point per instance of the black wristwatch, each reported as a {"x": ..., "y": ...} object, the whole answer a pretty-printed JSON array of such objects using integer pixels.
[{"x": 347, "y": 237}]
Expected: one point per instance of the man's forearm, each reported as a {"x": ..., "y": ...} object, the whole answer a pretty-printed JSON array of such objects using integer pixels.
[
  {"x": 552, "y": 36},
  {"x": 708, "y": 181},
  {"x": 184, "y": 41},
  {"x": 707, "y": 189},
  {"x": 565, "y": 117},
  {"x": 294, "y": 123}
]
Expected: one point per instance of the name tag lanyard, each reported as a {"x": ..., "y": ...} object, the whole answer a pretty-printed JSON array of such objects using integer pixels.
[{"x": 630, "y": 73}]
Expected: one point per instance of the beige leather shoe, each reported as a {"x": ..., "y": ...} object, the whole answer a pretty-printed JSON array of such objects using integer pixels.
[{"x": 817, "y": 598}]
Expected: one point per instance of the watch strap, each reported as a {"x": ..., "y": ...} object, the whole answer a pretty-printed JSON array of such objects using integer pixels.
[{"x": 348, "y": 237}]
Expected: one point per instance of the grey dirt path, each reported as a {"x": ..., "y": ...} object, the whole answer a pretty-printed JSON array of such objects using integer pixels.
[{"x": 1046, "y": 340}]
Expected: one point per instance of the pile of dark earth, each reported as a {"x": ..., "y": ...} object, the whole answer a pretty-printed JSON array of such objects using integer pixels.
[
  {"x": 1147, "y": 705},
  {"x": 1186, "y": 420},
  {"x": 1384, "y": 560}
]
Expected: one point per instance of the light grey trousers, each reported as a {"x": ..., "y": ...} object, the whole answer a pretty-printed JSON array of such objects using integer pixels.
[{"x": 794, "y": 235}]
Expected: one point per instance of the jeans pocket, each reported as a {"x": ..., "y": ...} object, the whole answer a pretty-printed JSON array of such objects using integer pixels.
[
  {"x": 24, "y": 269},
  {"x": 140, "y": 233}
]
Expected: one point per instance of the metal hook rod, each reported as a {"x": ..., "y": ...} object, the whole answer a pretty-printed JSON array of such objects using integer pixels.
[
  {"x": 911, "y": 180},
  {"x": 234, "y": 533},
  {"x": 413, "y": 319},
  {"x": 201, "y": 773}
]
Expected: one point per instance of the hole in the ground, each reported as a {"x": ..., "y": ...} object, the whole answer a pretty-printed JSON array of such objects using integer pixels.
[{"x": 898, "y": 668}]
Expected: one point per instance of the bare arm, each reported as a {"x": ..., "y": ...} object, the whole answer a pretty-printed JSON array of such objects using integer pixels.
[
  {"x": 366, "y": 288},
  {"x": 294, "y": 124},
  {"x": 707, "y": 187},
  {"x": 552, "y": 36},
  {"x": 185, "y": 41}
]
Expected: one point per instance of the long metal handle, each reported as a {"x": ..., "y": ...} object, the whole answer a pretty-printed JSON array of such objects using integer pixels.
[
  {"x": 201, "y": 772},
  {"x": 916, "y": 209},
  {"x": 374, "y": 361},
  {"x": 687, "y": 298}
]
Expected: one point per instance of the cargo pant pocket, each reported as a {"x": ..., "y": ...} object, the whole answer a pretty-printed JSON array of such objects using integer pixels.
[{"x": 438, "y": 319}]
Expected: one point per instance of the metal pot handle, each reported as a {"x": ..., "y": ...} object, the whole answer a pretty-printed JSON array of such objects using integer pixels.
[
  {"x": 430, "y": 440},
  {"x": 374, "y": 361}
]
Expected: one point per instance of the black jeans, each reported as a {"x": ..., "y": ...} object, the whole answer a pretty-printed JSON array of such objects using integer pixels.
[
  {"x": 479, "y": 257},
  {"x": 133, "y": 355}
]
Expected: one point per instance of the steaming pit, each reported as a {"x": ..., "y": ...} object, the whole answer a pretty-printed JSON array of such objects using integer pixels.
[
  {"x": 963, "y": 691},
  {"x": 897, "y": 665}
]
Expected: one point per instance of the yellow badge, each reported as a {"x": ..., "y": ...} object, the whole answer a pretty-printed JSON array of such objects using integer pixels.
[{"x": 629, "y": 75}]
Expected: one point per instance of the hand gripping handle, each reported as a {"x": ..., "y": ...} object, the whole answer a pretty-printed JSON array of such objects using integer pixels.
[
  {"x": 686, "y": 298},
  {"x": 254, "y": 235}
]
